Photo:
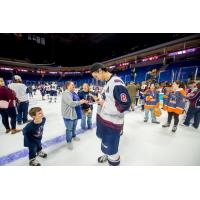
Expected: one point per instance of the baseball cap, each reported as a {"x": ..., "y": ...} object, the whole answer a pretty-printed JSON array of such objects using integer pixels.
[
  {"x": 17, "y": 77},
  {"x": 96, "y": 66}
]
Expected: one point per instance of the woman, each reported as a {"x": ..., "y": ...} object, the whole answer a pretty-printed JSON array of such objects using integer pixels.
[
  {"x": 87, "y": 109},
  {"x": 8, "y": 95},
  {"x": 174, "y": 104},
  {"x": 151, "y": 102}
]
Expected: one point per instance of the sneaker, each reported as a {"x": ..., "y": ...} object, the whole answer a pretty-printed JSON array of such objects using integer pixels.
[
  {"x": 34, "y": 162},
  {"x": 13, "y": 131},
  {"x": 69, "y": 145},
  {"x": 145, "y": 120},
  {"x": 166, "y": 125},
  {"x": 8, "y": 130},
  {"x": 183, "y": 124},
  {"x": 76, "y": 139},
  {"x": 174, "y": 129},
  {"x": 156, "y": 122},
  {"x": 194, "y": 126},
  {"x": 102, "y": 159},
  {"x": 42, "y": 154}
]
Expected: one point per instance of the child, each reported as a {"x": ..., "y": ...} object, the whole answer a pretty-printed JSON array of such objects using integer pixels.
[
  {"x": 33, "y": 135},
  {"x": 174, "y": 104},
  {"x": 151, "y": 102}
]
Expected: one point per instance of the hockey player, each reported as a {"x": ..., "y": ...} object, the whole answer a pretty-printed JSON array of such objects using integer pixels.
[
  {"x": 48, "y": 89},
  {"x": 114, "y": 101},
  {"x": 42, "y": 91},
  {"x": 53, "y": 92}
]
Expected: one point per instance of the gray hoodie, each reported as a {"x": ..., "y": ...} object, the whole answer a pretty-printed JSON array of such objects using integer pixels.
[{"x": 68, "y": 106}]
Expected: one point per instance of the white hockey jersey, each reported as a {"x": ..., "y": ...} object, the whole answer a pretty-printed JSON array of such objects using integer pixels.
[
  {"x": 117, "y": 101},
  {"x": 48, "y": 87},
  {"x": 54, "y": 87}
]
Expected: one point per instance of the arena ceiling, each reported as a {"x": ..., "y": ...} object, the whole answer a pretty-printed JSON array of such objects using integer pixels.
[{"x": 77, "y": 49}]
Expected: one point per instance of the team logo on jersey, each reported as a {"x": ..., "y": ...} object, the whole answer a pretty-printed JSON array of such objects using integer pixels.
[{"x": 123, "y": 97}]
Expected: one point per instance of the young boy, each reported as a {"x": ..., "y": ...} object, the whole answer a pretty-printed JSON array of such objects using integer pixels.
[{"x": 33, "y": 135}]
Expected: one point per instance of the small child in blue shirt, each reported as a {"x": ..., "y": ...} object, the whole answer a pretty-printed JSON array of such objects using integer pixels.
[{"x": 33, "y": 132}]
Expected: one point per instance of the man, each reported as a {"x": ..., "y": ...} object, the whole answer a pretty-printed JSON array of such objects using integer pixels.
[
  {"x": 132, "y": 92},
  {"x": 22, "y": 99},
  {"x": 114, "y": 101},
  {"x": 69, "y": 113}
]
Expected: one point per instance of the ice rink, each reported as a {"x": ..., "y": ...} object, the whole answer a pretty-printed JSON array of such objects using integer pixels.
[{"x": 142, "y": 143}]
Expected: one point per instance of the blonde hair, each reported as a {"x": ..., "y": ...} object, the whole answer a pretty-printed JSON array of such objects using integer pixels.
[{"x": 2, "y": 82}]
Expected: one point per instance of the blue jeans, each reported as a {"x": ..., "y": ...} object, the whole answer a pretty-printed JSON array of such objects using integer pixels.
[
  {"x": 146, "y": 112},
  {"x": 193, "y": 112},
  {"x": 22, "y": 110},
  {"x": 70, "y": 129},
  {"x": 34, "y": 150},
  {"x": 89, "y": 120}
]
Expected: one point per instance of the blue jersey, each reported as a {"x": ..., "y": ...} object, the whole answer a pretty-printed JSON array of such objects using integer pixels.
[{"x": 33, "y": 133}]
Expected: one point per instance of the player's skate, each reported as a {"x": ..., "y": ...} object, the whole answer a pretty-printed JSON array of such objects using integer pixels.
[{"x": 102, "y": 159}]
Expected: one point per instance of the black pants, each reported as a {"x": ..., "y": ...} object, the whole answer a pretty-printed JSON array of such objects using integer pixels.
[
  {"x": 34, "y": 150},
  {"x": 176, "y": 118},
  {"x": 136, "y": 101},
  {"x": 193, "y": 112},
  {"x": 5, "y": 114}
]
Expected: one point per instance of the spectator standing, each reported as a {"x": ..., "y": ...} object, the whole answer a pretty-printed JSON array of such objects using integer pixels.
[
  {"x": 7, "y": 95},
  {"x": 22, "y": 99}
]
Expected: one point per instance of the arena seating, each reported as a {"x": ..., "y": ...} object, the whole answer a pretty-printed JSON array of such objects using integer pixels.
[{"x": 175, "y": 71}]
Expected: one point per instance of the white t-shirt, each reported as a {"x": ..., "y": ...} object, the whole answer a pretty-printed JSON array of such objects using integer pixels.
[{"x": 20, "y": 90}]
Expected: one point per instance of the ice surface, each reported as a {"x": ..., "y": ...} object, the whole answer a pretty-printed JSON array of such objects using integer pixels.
[{"x": 141, "y": 144}]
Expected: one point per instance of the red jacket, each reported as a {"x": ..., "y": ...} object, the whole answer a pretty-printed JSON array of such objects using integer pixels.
[{"x": 7, "y": 94}]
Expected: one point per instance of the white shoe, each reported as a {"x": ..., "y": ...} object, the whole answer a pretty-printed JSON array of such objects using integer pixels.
[
  {"x": 70, "y": 146},
  {"x": 76, "y": 139},
  {"x": 182, "y": 124},
  {"x": 34, "y": 162}
]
